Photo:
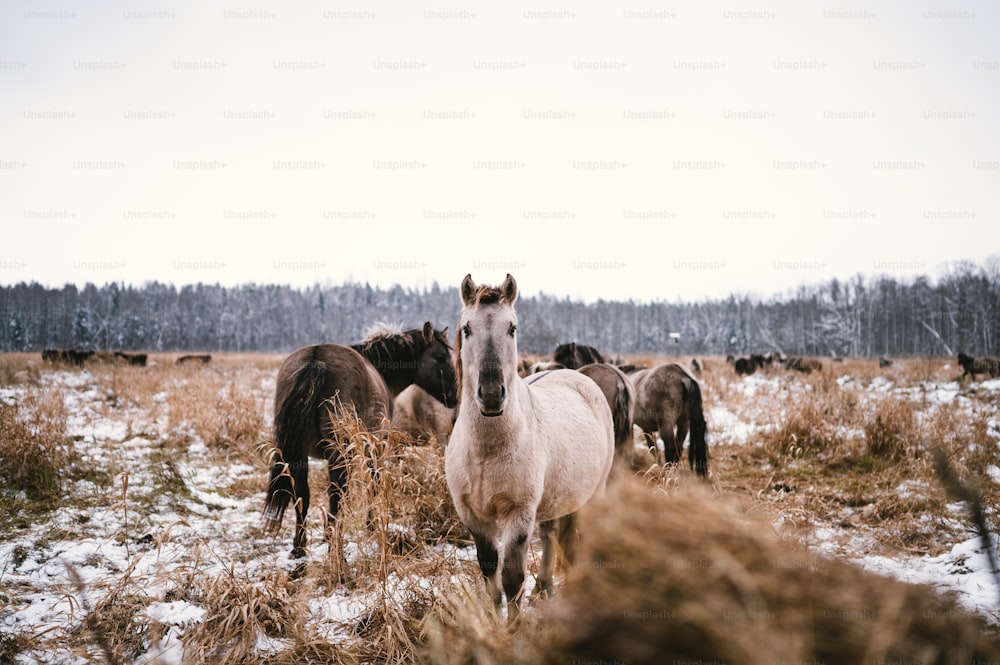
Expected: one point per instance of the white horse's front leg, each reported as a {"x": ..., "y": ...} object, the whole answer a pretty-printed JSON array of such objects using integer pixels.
[
  {"x": 489, "y": 559},
  {"x": 547, "y": 530},
  {"x": 515, "y": 557}
]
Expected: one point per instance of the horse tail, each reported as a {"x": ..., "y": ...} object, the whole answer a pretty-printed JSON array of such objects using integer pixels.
[
  {"x": 621, "y": 416},
  {"x": 698, "y": 449},
  {"x": 292, "y": 420}
]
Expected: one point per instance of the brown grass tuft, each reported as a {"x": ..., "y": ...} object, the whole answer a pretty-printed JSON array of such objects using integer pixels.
[
  {"x": 240, "y": 610},
  {"x": 690, "y": 576},
  {"x": 34, "y": 448},
  {"x": 892, "y": 430}
]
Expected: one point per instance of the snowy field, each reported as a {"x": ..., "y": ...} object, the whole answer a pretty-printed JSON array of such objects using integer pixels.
[{"x": 172, "y": 508}]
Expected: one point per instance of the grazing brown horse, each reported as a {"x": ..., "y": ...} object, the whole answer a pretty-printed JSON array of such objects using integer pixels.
[
  {"x": 68, "y": 356},
  {"x": 422, "y": 416},
  {"x": 620, "y": 394},
  {"x": 203, "y": 358},
  {"x": 804, "y": 365},
  {"x": 321, "y": 380},
  {"x": 575, "y": 356},
  {"x": 668, "y": 402},
  {"x": 133, "y": 359},
  {"x": 745, "y": 366},
  {"x": 523, "y": 450},
  {"x": 972, "y": 366}
]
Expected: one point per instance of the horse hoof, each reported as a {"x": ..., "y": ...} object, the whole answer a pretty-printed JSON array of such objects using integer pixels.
[{"x": 297, "y": 553}]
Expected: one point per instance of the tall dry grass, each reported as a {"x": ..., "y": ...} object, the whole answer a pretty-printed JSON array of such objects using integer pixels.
[
  {"x": 667, "y": 570},
  {"x": 691, "y": 576},
  {"x": 35, "y": 451}
]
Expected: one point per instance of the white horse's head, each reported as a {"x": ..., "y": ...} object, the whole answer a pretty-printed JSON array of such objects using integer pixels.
[{"x": 486, "y": 350}]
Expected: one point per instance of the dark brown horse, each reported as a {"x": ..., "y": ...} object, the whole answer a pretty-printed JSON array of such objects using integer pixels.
[
  {"x": 804, "y": 365},
  {"x": 620, "y": 394},
  {"x": 575, "y": 356},
  {"x": 324, "y": 380},
  {"x": 203, "y": 358},
  {"x": 134, "y": 359},
  {"x": 668, "y": 402},
  {"x": 69, "y": 356},
  {"x": 972, "y": 366}
]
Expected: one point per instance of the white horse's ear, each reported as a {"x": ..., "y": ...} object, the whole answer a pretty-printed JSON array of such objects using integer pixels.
[
  {"x": 509, "y": 289},
  {"x": 468, "y": 290},
  {"x": 428, "y": 332}
]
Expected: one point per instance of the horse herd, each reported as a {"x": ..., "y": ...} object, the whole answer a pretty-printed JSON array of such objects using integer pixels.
[
  {"x": 747, "y": 365},
  {"x": 524, "y": 443},
  {"x": 520, "y": 447},
  {"x": 78, "y": 357}
]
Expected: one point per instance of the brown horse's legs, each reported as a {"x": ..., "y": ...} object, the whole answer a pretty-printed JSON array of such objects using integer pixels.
[
  {"x": 301, "y": 508},
  {"x": 651, "y": 442},
  {"x": 337, "y": 474},
  {"x": 671, "y": 449},
  {"x": 489, "y": 560},
  {"x": 682, "y": 432},
  {"x": 569, "y": 537}
]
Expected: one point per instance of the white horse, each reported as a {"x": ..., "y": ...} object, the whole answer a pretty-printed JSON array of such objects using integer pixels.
[{"x": 522, "y": 450}]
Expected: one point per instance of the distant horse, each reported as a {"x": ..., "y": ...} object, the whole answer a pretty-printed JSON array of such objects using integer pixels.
[
  {"x": 884, "y": 362},
  {"x": 620, "y": 394},
  {"x": 804, "y": 365},
  {"x": 972, "y": 366},
  {"x": 667, "y": 397},
  {"x": 575, "y": 356},
  {"x": 523, "y": 450},
  {"x": 542, "y": 366},
  {"x": 420, "y": 415},
  {"x": 324, "y": 380},
  {"x": 745, "y": 366},
  {"x": 203, "y": 358},
  {"x": 696, "y": 366},
  {"x": 134, "y": 359},
  {"x": 68, "y": 356}
]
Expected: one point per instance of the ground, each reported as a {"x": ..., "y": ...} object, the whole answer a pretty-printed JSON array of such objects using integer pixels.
[{"x": 131, "y": 502}]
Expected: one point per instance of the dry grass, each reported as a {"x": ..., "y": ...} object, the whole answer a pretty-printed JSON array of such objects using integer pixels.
[
  {"x": 692, "y": 576},
  {"x": 669, "y": 571},
  {"x": 892, "y": 430},
  {"x": 34, "y": 449}
]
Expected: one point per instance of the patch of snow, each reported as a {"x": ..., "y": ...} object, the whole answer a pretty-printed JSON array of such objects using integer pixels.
[
  {"x": 175, "y": 613},
  {"x": 993, "y": 471},
  {"x": 965, "y": 570},
  {"x": 727, "y": 425}
]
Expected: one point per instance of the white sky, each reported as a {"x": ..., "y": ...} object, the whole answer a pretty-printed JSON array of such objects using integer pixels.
[{"x": 649, "y": 151}]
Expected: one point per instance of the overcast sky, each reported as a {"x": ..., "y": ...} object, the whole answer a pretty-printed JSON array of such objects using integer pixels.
[{"x": 668, "y": 151}]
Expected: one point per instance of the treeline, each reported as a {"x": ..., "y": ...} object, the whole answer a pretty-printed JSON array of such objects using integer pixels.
[{"x": 859, "y": 317}]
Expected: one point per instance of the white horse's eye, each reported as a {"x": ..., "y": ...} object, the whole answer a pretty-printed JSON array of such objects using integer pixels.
[
  {"x": 466, "y": 331},
  {"x": 512, "y": 330}
]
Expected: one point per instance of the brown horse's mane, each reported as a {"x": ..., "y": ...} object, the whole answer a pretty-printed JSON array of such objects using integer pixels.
[{"x": 387, "y": 340}]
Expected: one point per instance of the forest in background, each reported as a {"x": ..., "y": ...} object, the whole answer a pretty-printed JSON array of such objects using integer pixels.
[{"x": 863, "y": 316}]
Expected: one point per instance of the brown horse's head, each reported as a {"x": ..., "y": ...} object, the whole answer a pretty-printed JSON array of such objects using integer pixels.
[
  {"x": 486, "y": 352},
  {"x": 575, "y": 356},
  {"x": 435, "y": 371}
]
